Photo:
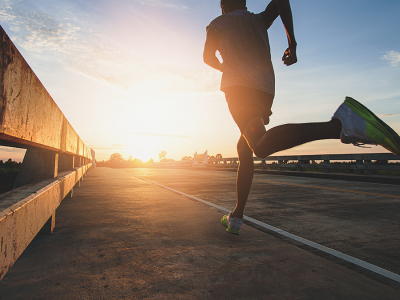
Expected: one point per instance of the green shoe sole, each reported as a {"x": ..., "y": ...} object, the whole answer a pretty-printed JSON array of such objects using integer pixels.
[
  {"x": 377, "y": 130},
  {"x": 224, "y": 222},
  {"x": 233, "y": 231}
]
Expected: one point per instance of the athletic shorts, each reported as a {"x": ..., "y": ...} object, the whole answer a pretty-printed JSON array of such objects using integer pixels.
[{"x": 246, "y": 104}]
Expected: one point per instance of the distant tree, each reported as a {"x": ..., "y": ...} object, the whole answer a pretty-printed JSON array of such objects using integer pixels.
[
  {"x": 211, "y": 159},
  {"x": 116, "y": 158},
  {"x": 162, "y": 155},
  {"x": 218, "y": 156},
  {"x": 117, "y": 161},
  {"x": 187, "y": 158},
  {"x": 134, "y": 163},
  {"x": 151, "y": 161},
  {"x": 166, "y": 160}
]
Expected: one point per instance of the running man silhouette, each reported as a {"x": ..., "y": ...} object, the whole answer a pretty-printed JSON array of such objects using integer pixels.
[{"x": 248, "y": 82}]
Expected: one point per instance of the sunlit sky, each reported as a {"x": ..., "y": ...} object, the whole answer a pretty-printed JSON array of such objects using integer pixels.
[{"x": 130, "y": 78}]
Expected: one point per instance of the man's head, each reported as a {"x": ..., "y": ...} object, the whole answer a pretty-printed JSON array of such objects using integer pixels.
[{"x": 228, "y": 6}]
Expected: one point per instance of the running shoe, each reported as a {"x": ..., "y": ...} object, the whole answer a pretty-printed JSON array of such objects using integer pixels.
[
  {"x": 232, "y": 224},
  {"x": 360, "y": 127}
]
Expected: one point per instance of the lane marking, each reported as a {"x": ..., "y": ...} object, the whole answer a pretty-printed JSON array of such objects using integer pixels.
[{"x": 348, "y": 258}]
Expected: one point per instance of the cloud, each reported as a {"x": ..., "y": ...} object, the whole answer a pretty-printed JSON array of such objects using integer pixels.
[
  {"x": 74, "y": 41},
  {"x": 36, "y": 31},
  {"x": 109, "y": 148},
  {"x": 68, "y": 40},
  {"x": 388, "y": 115},
  {"x": 5, "y": 16},
  {"x": 163, "y": 3},
  {"x": 393, "y": 57}
]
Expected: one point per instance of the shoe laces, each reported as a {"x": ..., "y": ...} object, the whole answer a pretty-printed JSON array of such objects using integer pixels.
[
  {"x": 359, "y": 141},
  {"x": 361, "y": 145}
]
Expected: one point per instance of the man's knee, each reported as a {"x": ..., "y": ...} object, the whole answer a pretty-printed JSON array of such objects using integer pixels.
[{"x": 260, "y": 151}]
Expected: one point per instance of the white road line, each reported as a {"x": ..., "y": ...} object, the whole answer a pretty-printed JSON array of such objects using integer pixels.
[{"x": 330, "y": 251}]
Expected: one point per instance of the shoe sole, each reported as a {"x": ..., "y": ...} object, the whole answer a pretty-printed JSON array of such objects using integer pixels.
[
  {"x": 377, "y": 130},
  {"x": 232, "y": 231}
]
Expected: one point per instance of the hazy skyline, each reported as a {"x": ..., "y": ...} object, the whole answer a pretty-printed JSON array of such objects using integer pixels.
[{"x": 129, "y": 75}]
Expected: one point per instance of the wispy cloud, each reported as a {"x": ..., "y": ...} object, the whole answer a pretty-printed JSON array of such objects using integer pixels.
[
  {"x": 39, "y": 32},
  {"x": 109, "y": 148},
  {"x": 177, "y": 4},
  {"x": 159, "y": 134},
  {"x": 388, "y": 115},
  {"x": 393, "y": 57},
  {"x": 73, "y": 41}
]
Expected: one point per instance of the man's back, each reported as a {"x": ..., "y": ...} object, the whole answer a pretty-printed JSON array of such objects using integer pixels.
[{"x": 244, "y": 46}]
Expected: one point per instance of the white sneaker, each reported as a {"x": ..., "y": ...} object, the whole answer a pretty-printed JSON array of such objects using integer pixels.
[
  {"x": 361, "y": 126},
  {"x": 354, "y": 128},
  {"x": 232, "y": 224}
]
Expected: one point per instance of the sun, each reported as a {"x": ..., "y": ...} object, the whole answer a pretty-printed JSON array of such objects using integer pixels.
[
  {"x": 143, "y": 147},
  {"x": 144, "y": 156}
]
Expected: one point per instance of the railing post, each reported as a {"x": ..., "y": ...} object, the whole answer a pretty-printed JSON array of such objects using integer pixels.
[
  {"x": 50, "y": 224},
  {"x": 327, "y": 162},
  {"x": 359, "y": 163},
  {"x": 367, "y": 170},
  {"x": 234, "y": 164},
  {"x": 263, "y": 164},
  {"x": 303, "y": 162},
  {"x": 38, "y": 164},
  {"x": 280, "y": 163}
]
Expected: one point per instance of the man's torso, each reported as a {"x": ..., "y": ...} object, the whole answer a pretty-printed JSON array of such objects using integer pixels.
[{"x": 244, "y": 46}]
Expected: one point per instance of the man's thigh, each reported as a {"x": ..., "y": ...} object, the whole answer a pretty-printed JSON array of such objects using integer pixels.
[{"x": 246, "y": 104}]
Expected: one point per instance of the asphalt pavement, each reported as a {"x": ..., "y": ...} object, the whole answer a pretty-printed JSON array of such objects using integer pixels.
[{"x": 121, "y": 237}]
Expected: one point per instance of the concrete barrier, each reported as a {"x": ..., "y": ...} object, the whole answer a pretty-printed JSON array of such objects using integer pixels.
[
  {"x": 28, "y": 114},
  {"x": 24, "y": 211},
  {"x": 55, "y": 161}
]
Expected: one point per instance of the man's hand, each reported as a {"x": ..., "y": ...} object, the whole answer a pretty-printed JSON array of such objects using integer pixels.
[{"x": 290, "y": 57}]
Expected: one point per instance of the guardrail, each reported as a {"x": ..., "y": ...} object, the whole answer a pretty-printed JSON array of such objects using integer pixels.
[
  {"x": 360, "y": 163},
  {"x": 55, "y": 161}
]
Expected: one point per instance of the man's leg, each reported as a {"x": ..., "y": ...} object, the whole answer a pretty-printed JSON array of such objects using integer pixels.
[
  {"x": 244, "y": 176},
  {"x": 271, "y": 141},
  {"x": 264, "y": 143}
]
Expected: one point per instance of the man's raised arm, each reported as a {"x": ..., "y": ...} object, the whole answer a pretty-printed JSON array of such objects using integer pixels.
[
  {"x": 210, "y": 47},
  {"x": 282, "y": 8}
]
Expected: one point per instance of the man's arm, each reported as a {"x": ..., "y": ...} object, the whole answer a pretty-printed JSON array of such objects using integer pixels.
[
  {"x": 210, "y": 47},
  {"x": 282, "y": 8}
]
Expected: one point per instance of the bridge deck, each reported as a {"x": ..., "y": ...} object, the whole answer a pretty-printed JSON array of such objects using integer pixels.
[{"x": 123, "y": 237}]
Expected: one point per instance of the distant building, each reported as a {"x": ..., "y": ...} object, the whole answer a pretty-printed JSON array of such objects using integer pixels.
[
  {"x": 200, "y": 159},
  {"x": 93, "y": 157}
]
